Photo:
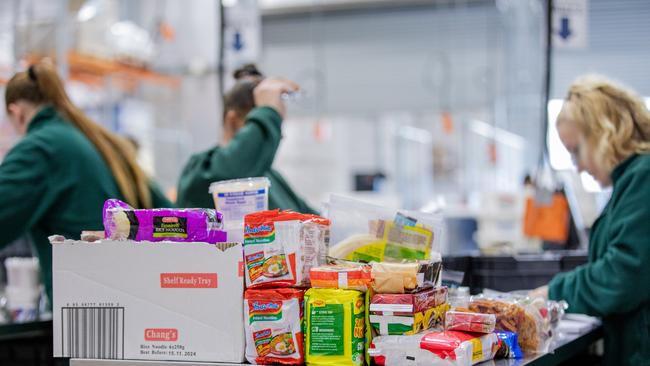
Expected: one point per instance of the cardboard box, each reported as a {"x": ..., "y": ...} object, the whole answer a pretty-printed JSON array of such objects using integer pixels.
[{"x": 148, "y": 301}]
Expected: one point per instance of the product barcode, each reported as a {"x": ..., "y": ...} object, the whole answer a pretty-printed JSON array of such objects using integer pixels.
[{"x": 92, "y": 332}]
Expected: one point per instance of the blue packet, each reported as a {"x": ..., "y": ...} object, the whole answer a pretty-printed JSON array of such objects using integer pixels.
[
  {"x": 509, "y": 347},
  {"x": 404, "y": 221}
]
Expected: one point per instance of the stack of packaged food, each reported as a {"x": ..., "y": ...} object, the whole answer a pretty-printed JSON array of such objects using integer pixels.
[
  {"x": 372, "y": 296},
  {"x": 492, "y": 325},
  {"x": 409, "y": 317},
  {"x": 280, "y": 248},
  {"x": 392, "y": 256}
]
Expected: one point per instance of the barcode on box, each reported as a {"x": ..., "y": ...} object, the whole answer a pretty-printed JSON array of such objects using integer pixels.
[{"x": 92, "y": 332}]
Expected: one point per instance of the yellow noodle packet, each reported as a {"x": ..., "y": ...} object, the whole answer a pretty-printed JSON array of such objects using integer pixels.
[{"x": 334, "y": 327}]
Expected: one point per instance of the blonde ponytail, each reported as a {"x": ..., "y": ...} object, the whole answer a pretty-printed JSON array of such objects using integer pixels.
[{"x": 41, "y": 85}]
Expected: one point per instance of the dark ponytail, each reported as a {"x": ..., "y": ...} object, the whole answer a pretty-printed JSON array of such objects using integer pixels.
[
  {"x": 240, "y": 97},
  {"x": 40, "y": 85}
]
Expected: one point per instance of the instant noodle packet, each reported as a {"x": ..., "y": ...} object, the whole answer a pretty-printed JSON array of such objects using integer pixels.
[
  {"x": 280, "y": 248},
  {"x": 123, "y": 222},
  {"x": 347, "y": 277},
  {"x": 274, "y": 326},
  {"x": 449, "y": 348},
  {"x": 334, "y": 327}
]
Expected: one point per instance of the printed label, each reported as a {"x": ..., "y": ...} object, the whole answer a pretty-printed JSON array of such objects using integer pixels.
[
  {"x": 477, "y": 350},
  {"x": 403, "y": 220},
  {"x": 161, "y": 334},
  {"x": 262, "y": 340},
  {"x": 173, "y": 351},
  {"x": 188, "y": 280},
  {"x": 277, "y": 344},
  {"x": 259, "y": 234},
  {"x": 169, "y": 227},
  {"x": 358, "y": 332},
  {"x": 264, "y": 311},
  {"x": 236, "y": 205},
  {"x": 259, "y": 265},
  {"x": 241, "y": 194},
  {"x": 326, "y": 330}
]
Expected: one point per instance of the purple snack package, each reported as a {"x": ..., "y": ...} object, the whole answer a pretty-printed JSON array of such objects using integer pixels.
[{"x": 122, "y": 222}]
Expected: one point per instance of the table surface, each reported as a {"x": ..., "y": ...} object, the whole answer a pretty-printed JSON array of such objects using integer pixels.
[
  {"x": 565, "y": 346},
  {"x": 10, "y": 331}
]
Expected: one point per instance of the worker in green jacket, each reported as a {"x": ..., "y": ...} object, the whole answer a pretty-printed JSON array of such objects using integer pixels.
[
  {"x": 252, "y": 125},
  {"x": 606, "y": 128},
  {"x": 56, "y": 178}
]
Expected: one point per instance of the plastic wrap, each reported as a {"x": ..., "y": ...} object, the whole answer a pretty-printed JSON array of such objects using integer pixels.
[
  {"x": 550, "y": 311},
  {"x": 334, "y": 327},
  {"x": 466, "y": 349},
  {"x": 448, "y": 348},
  {"x": 516, "y": 315},
  {"x": 274, "y": 326},
  {"x": 347, "y": 277},
  {"x": 397, "y": 314},
  {"x": 470, "y": 322},
  {"x": 281, "y": 247},
  {"x": 122, "y": 222},
  {"x": 398, "y": 278},
  {"x": 365, "y": 232},
  {"x": 509, "y": 346}
]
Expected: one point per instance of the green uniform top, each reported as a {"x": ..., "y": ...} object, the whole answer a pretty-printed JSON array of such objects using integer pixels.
[
  {"x": 249, "y": 154},
  {"x": 54, "y": 181},
  {"x": 615, "y": 284}
]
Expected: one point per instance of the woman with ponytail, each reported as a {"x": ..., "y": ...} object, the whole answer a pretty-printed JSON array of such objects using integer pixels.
[{"x": 57, "y": 177}]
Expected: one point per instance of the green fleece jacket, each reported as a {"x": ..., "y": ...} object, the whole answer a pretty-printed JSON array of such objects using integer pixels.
[
  {"x": 250, "y": 154},
  {"x": 615, "y": 284},
  {"x": 54, "y": 181}
]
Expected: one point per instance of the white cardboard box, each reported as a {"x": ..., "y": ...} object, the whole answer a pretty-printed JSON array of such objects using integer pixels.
[{"x": 148, "y": 301}]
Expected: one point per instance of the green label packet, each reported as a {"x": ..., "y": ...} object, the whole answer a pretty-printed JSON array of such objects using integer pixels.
[{"x": 326, "y": 330}]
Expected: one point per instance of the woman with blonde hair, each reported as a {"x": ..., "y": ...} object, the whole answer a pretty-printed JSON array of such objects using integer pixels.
[
  {"x": 606, "y": 128},
  {"x": 56, "y": 178}
]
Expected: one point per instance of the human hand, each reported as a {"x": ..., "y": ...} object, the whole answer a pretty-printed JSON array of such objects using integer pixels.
[
  {"x": 539, "y": 292},
  {"x": 268, "y": 93}
]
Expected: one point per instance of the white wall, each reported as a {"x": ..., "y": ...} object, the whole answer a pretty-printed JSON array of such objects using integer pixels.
[
  {"x": 375, "y": 69},
  {"x": 618, "y": 46}
]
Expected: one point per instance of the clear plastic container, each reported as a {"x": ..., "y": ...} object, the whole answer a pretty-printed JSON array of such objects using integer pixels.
[
  {"x": 22, "y": 272},
  {"x": 238, "y": 197}
]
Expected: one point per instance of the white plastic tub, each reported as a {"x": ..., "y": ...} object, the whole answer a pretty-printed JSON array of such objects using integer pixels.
[{"x": 238, "y": 197}]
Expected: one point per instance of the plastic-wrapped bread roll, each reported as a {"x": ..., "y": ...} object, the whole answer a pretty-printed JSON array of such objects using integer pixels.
[{"x": 122, "y": 222}]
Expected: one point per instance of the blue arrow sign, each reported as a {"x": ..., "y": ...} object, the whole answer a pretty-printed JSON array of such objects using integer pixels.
[
  {"x": 238, "y": 43},
  {"x": 565, "y": 29}
]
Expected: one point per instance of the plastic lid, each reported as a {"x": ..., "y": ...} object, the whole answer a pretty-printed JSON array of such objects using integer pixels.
[{"x": 244, "y": 182}]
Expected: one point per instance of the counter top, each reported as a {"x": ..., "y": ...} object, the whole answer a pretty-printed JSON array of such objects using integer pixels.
[
  {"x": 11, "y": 331},
  {"x": 566, "y": 344},
  {"x": 569, "y": 342}
]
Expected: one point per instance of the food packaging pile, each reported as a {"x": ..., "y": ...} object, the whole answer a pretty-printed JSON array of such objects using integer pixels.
[{"x": 360, "y": 286}]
